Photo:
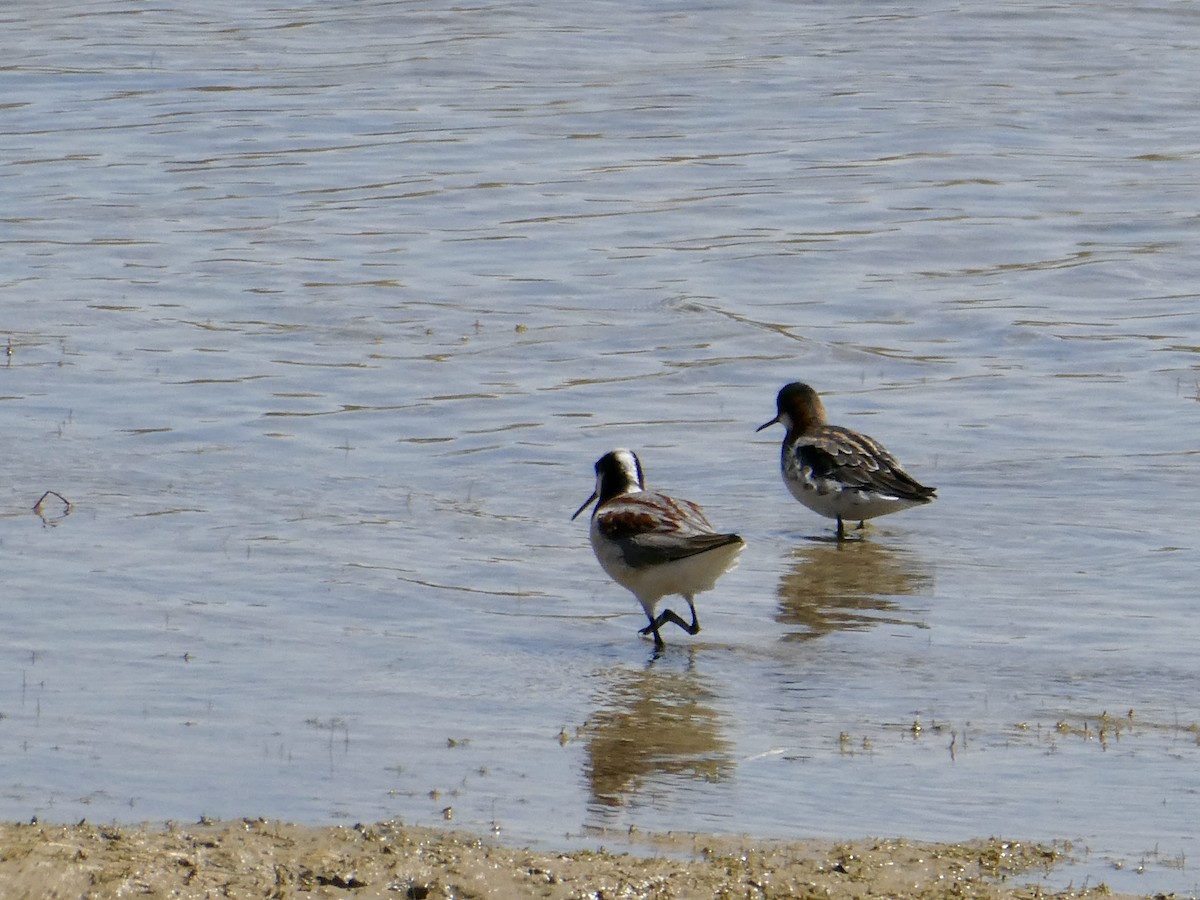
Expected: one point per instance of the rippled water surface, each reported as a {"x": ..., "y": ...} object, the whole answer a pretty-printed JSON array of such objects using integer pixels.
[{"x": 318, "y": 316}]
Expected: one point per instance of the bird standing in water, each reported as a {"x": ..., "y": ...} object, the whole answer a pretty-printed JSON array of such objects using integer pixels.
[
  {"x": 653, "y": 544},
  {"x": 835, "y": 471}
]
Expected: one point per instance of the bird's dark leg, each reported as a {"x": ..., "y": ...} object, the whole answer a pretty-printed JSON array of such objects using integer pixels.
[
  {"x": 841, "y": 532},
  {"x": 653, "y": 627},
  {"x": 669, "y": 615}
]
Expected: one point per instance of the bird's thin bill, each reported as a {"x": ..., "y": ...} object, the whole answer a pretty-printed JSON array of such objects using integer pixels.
[
  {"x": 766, "y": 425},
  {"x": 586, "y": 504}
]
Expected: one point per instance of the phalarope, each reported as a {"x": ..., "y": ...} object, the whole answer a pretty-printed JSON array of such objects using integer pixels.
[
  {"x": 653, "y": 544},
  {"x": 836, "y": 471}
]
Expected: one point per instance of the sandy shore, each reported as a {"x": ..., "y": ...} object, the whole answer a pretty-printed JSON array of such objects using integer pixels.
[{"x": 255, "y": 858}]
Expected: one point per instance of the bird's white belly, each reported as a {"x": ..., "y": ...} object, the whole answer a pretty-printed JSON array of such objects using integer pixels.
[
  {"x": 832, "y": 499},
  {"x": 651, "y": 583}
]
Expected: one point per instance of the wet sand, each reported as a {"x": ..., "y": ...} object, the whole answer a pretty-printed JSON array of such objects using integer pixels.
[{"x": 258, "y": 858}]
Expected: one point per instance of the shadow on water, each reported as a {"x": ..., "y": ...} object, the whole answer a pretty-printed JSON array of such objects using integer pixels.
[
  {"x": 848, "y": 586},
  {"x": 654, "y": 723}
]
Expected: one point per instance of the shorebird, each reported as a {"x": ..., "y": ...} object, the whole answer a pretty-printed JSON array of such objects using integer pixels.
[
  {"x": 653, "y": 544},
  {"x": 835, "y": 471}
]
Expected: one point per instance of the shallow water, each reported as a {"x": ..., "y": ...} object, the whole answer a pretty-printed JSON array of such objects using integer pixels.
[{"x": 319, "y": 316}]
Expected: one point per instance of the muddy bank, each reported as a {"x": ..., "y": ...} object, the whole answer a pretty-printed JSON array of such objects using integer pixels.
[{"x": 255, "y": 858}]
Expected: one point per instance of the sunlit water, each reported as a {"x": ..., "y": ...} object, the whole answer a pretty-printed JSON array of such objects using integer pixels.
[{"x": 319, "y": 316}]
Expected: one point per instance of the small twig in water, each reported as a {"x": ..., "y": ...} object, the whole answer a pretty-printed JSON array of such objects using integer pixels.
[{"x": 38, "y": 507}]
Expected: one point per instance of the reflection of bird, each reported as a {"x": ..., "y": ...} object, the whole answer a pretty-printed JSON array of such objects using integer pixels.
[
  {"x": 835, "y": 471},
  {"x": 651, "y": 727},
  {"x": 653, "y": 544},
  {"x": 848, "y": 586}
]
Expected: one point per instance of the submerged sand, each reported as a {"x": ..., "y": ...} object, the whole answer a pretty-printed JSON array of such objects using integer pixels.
[{"x": 259, "y": 858}]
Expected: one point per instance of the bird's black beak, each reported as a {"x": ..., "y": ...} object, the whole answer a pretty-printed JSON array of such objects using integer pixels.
[
  {"x": 766, "y": 425},
  {"x": 586, "y": 504}
]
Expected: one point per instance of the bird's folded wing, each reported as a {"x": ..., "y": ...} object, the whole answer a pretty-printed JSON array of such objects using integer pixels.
[{"x": 653, "y": 548}]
